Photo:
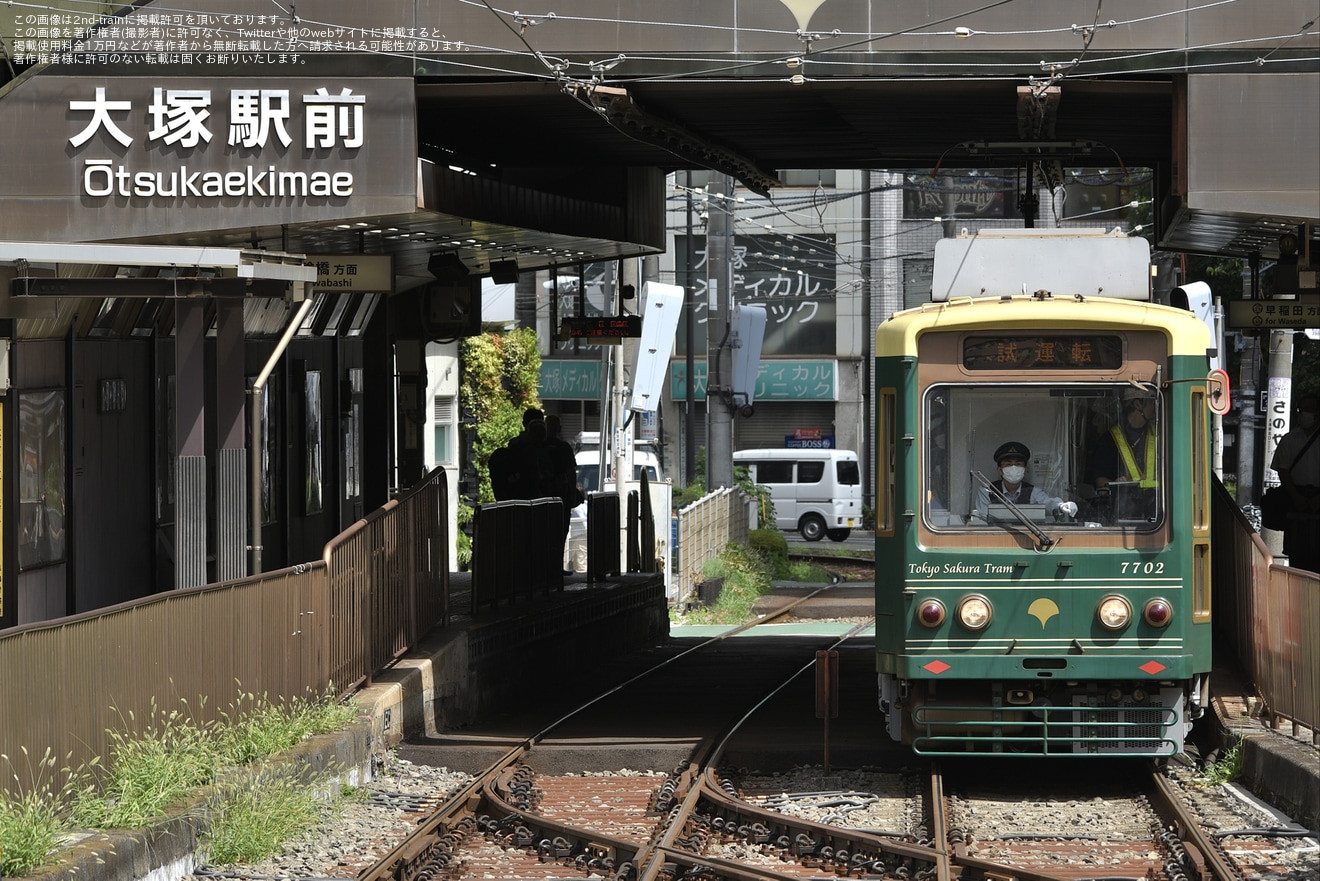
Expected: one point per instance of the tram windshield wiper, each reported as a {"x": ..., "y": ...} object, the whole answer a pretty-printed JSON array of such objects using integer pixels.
[{"x": 1043, "y": 541}]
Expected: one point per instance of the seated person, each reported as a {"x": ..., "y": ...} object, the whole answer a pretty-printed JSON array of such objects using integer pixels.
[{"x": 1011, "y": 460}]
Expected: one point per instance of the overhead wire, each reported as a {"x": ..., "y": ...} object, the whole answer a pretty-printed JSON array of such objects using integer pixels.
[
  {"x": 818, "y": 57},
  {"x": 558, "y": 69}
]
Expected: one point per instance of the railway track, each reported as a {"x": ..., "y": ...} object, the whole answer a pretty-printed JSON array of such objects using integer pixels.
[
  {"x": 504, "y": 805},
  {"x": 696, "y": 822},
  {"x": 842, "y": 567},
  {"x": 749, "y": 800}
]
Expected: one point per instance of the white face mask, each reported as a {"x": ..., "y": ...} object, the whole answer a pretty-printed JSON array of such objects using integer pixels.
[{"x": 1013, "y": 473}]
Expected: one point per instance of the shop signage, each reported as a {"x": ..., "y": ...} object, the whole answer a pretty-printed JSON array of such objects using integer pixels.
[
  {"x": 775, "y": 381},
  {"x": 569, "y": 380}
]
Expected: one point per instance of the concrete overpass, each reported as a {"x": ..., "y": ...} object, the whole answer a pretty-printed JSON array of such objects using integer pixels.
[{"x": 540, "y": 138}]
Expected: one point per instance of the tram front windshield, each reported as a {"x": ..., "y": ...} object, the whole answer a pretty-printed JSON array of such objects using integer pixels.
[{"x": 1099, "y": 447}]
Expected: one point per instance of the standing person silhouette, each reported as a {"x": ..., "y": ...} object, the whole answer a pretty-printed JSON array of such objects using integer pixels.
[
  {"x": 533, "y": 473},
  {"x": 565, "y": 474},
  {"x": 1297, "y": 459}
]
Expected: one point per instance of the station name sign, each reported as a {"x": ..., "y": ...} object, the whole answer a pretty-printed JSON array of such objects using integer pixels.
[
  {"x": 233, "y": 122},
  {"x": 140, "y": 157}
]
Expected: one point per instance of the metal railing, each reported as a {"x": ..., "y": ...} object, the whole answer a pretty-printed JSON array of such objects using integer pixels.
[
  {"x": 705, "y": 528},
  {"x": 1273, "y": 627},
  {"x": 517, "y": 550},
  {"x": 603, "y": 556},
  {"x": 294, "y": 633}
]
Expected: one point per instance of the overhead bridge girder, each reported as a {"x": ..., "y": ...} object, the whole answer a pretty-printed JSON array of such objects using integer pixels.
[{"x": 142, "y": 288}]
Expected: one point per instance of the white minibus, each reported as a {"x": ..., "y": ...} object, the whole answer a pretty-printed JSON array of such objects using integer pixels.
[{"x": 816, "y": 492}]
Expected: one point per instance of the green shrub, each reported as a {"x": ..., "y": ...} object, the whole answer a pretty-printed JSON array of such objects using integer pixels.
[
  {"x": 807, "y": 573},
  {"x": 149, "y": 771},
  {"x": 693, "y": 492},
  {"x": 1227, "y": 769},
  {"x": 746, "y": 576},
  {"x": 256, "y": 727},
  {"x": 463, "y": 540},
  {"x": 170, "y": 759},
  {"x": 765, "y": 504},
  {"x": 772, "y": 545},
  {"x": 252, "y": 823},
  {"x": 32, "y": 821}
]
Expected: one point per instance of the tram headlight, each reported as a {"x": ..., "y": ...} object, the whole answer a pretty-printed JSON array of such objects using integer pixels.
[
  {"x": 974, "y": 612},
  {"x": 1114, "y": 613},
  {"x": 930, "y": 613},
  {"x": 1158, "y": 612}
]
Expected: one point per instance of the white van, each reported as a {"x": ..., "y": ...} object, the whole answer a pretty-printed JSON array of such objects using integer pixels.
[
  {"x": 587, "y": 456},
  {"x": 816, "y": 492}
]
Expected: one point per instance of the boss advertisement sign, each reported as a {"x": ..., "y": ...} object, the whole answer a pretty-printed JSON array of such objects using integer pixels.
[{"x": 244, "y": 151}]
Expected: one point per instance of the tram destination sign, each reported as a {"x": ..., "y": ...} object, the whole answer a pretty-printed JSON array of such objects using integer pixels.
[
  {"x": 1041, "y": 352},
  {"x": 1304, "y": 311}
]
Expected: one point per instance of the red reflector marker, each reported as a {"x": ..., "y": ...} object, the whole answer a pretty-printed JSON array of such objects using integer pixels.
[
  {"x": 937, "y": 667},
  {"x": 1152, "y": 667}
]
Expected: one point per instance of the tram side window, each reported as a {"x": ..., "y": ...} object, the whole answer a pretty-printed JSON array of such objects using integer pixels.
[{"x": 1096, "y": 447}]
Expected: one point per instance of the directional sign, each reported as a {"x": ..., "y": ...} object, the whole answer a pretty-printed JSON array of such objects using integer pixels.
[{"x": 1304, "y": 311}]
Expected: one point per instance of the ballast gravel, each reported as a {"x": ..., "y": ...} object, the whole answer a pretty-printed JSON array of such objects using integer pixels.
[{"x": 360, "y": 829}]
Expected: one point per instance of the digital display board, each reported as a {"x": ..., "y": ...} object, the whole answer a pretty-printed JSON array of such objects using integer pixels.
[
  {"x": 616, "y": 327},
  {"x": 1040, "y": 352}
]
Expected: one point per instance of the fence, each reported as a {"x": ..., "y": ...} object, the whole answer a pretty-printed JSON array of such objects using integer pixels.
[
  {"x": 705, "y": 527},
  {"x": 1270, "y": 617},
  {"x": 287, "y": 634},
  {"x": 517, "y": 550}
]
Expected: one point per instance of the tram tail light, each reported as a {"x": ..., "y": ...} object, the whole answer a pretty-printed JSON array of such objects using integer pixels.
[
  {"x": 1158, "y": 612},
  {"x": 931, "y": 613},
  {"x": 1114, "y": 612}
]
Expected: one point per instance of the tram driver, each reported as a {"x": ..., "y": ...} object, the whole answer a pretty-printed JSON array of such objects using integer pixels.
[{"x": 1011, "y": 461}]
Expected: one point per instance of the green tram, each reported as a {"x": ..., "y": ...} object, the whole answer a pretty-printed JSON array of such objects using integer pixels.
[{"x": 1071, "y": 617}]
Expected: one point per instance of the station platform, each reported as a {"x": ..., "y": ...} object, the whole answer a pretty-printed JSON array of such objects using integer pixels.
[{"x": 481, "y": 661}]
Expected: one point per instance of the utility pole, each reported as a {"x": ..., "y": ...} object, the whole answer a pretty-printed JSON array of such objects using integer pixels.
[
  {"x": 625, "y": 354},
  {"x": 690, "y": 326},
  {"x": 1278, "y": 418},
  {"x": 719, "y": 362},
  {"x": 1247, "y": 493}
]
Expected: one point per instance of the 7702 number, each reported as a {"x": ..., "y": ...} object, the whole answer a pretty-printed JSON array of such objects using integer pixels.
[{"x": 1139, "y": 568}]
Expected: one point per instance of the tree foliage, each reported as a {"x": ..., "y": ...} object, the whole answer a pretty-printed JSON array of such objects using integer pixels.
[{"x": 501, "y": 373}]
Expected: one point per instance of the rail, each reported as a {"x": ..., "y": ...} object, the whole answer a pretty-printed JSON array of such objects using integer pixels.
[
  {"x": 1274, "y": 629},
  {"x": 705, "y": 528},
  {"x": 293, "y": 633}
]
